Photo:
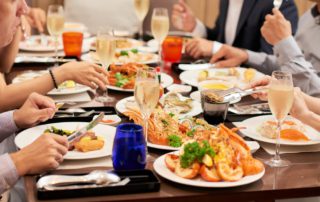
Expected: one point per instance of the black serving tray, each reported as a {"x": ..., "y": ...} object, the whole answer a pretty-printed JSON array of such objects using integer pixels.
[
  {"x": 76, "y": 118},
  {"x": 140, "y": 181}
]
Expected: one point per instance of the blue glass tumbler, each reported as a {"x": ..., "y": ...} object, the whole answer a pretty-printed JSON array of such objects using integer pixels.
[{"x": 129, "y": 148}]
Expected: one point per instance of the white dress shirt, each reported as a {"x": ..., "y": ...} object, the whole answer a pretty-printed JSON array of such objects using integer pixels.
[{"x": 233, "y": 15}]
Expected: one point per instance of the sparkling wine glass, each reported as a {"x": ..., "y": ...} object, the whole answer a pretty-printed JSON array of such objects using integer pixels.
[
  {"x": 280, "y": 99},
  {"x": 141, "y": 8},
  {"x": 147, "y": 93},
  {"x": 55, "y": 25},
  {"x": 160, "y": 28},
  {"x": 106, "y": 49}
]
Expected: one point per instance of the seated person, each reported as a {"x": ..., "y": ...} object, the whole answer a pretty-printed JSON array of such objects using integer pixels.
[
  {"x": 238, "y": 24},
  {"x": 301, "y": 57},
  {"x": 44, "y": 154},
  {"x": 81, "y": 72}
]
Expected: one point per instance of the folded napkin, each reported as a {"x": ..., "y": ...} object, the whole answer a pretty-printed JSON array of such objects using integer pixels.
[
  {"x": 72, "y": 98},
  {"x": 187, "y": 67},
  {"x": 88, "y": 163},
  {"x": 284, "y": 149}
]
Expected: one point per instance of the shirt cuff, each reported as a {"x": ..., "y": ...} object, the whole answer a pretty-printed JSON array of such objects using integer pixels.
[
  {"x": 7, "y": 126},
  {"x": 216, "y": 47},
  {"x": 9, "y": 175},
  {"x": 200, "y": 30},
  {"x": 286, "y": 50},
  {"x": 254, "y": 58}
]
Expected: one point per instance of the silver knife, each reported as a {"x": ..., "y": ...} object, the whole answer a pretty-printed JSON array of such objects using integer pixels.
[{"x": 82, "y": 131}]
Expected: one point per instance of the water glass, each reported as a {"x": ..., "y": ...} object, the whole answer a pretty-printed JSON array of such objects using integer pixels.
[{"x": 129, "y": 147}]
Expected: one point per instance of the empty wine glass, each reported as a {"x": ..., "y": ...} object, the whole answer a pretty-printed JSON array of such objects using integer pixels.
[
  {"x": 55, "y": 24},
  {"x": 105, "y": 48},
  {"x": 280, "y": 99}
]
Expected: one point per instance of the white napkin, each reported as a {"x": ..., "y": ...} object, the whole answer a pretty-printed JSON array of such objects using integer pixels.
[
  {"x": 284, "y": 149},
  {"x": 79, "y": 97},
  {"x": 89, "y": 163},
  {"x": 187, "y": 67}
]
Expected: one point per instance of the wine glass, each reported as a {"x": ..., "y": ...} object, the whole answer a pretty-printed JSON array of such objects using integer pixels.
[
  {"x": 280, "y": 99},
  {"x": 146, "y": 93},
  {"x": 160, "y": 28},
  {"x": 129, "y": 147},
  {"x": 105, "y": 48},
  {"x": 55, "y": 25},
  {"x": 141, "y": 8}
]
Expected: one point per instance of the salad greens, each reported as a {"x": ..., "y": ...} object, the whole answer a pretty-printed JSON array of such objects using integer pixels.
[
  {"x": 175, "y": 141},
  {"x": 58, "y": 131},
  {"x": 121, "y": 80}
]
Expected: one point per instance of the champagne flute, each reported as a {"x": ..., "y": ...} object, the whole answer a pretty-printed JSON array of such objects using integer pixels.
[
  {"x": 55, "y": 25},
  {"x": 141, "y": 8},
  {"x": 146, "y": 93},
  {"x": 280, "y": 99},
  {"x": 160, "y": 28},
  {"x": 105, "y": 48}
]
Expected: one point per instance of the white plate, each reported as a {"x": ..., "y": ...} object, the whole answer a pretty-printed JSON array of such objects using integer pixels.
[
  {"x": 61, "y": 91},
  {"x": 32, "y": 44},
  {"x": 26, "y": 137},
  {"x": 196, "y": 96},
  {"x": 135, "y": 44},
  {"x": 88, "y": 58},
  {"x": 253, "y": 145},
  {"x": 115, "y": 118},
  {"x": 166, "y": 80},
  {"x": 196, "y": 107},
  {"x": 188, "y": 67},
  {"x": 253, "y": 124},
  {"x": 161, "y": 168},
  {"x": 191, "y": 77}
]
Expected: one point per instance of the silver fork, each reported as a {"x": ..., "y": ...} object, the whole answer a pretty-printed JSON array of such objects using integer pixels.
[{"x": 277, "y": 3}]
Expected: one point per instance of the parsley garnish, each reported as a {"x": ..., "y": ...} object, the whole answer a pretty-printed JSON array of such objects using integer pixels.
[
  {"x": 121, "y": 81},
  {"x": 165, "y": 122},
  {"x": 124, "y": 53},
  {"x": 174, "y": 141},
  {"x": 171, "y": 114},
  {"x": 191, "y": 133},
  {"x": 135, "y": 51},
  {"x": 194, "y": 152}
]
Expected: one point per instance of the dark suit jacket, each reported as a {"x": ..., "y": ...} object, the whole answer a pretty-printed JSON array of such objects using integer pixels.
[{"x": 252, "y": 17}]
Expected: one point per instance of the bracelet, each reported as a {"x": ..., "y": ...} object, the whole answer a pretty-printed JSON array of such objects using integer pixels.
[{"x": 53, "y": 79}]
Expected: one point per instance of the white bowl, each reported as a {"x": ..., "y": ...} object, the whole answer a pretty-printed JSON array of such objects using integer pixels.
[
  {"x": 201, "y": 85},
  {"x": 179, "y": 88},
  {"x": 114, "y": 120}
]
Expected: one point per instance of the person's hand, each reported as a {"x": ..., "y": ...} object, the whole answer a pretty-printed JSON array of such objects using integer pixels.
[
  {"x": 35, "y": 110},
  {"x": 25, "y": 27},
  {"x": 229, "y": 56},
  {"x": 259, "y": 83},
  {"x": 199, "y": 47},
  {"x": 276, "y": 28},
  {"x": 44, "y": 154},
  {"x": 299, "y": 108},
  {"x": 88, "y": 74},
  {"x": 182, "y": 17},
  {"x": 37, "y": 19}
]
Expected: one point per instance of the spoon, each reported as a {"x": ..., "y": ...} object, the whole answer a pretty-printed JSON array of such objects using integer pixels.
[
  {"x": 277, "y": 3},
  {"x": 98, "y": 177}
]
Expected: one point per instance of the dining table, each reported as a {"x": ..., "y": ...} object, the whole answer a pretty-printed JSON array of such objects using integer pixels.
[{"x": 300, "y": 179}]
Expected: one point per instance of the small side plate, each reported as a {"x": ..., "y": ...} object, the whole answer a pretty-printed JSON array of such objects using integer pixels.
[{"x": 111, "y": 120}]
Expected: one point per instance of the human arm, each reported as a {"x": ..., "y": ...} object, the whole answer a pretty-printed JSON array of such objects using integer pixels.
[
  {"x": 8, "y": 175},
  {"x": 81, "y": 72}
]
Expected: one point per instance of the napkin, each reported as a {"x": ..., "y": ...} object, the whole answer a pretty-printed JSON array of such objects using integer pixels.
[
  {"x": 284, "y": 149},
  {"x": 187, "y": 67},
  {"x": 79, "y": 97},
  {"x": 87, "y": 163}
]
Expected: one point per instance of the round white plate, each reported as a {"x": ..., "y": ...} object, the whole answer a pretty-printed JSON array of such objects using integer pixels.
[
  {"x": 196, "y": 107},
  {"x": 253, "y": 145},
  {"x": 26, "y": 137},
  {"x": 61, "y": 91},
  {"x": 33, "y": 44},
  {"x": 166, "y": 80},
  {"x": 191, "y": 77},
  {"x": 161, "y": 169},
  {"x": 135, "y": 44},
  {"x": 253, "y": 124},
  {"x": 88, "y": 58},
  {"x": 196, "y": 96}
]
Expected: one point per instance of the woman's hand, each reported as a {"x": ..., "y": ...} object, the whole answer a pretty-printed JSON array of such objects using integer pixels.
[
  {"x": 262, "y": 82},
  {"x": 88, "y": 74}
]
